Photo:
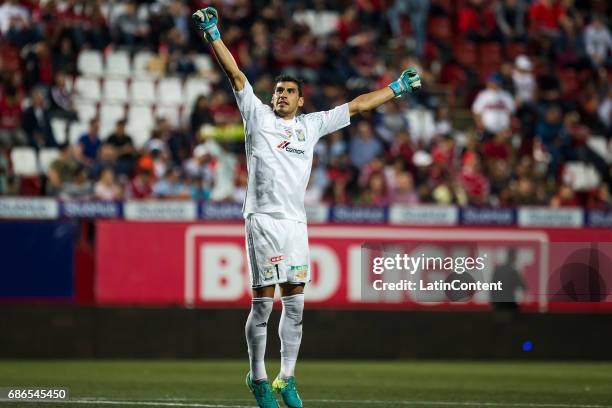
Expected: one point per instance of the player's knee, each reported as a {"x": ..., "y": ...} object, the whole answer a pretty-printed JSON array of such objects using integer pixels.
[{"x": 290, "y": 289}]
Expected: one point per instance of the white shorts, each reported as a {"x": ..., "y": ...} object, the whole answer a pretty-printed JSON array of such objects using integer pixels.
[{"x": 277, "y": 250}]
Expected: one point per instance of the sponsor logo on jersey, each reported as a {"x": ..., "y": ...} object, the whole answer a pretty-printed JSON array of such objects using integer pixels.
[
  {"x": 288, "y": 132},
  {"x": 284, "y": 145},
  {"x": 277, "y": 258}
]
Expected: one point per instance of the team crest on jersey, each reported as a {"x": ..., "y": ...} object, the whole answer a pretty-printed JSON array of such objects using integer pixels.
[
  {"x": 288, "y": 132},
  {"x": 300, "y": 135}
]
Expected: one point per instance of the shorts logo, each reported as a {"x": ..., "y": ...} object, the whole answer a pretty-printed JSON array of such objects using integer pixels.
[
  {"x": 300, "y": 271},
  {"x": 268, "y": 272},
  {"x": 300, "y": 135},
  {"x": 284, "y": 145},
  {"x": 277, "y": 259}
]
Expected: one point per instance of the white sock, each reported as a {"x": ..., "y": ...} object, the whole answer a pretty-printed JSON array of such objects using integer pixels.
[
  {"x": 290, "y": 332},
  {"x": 256, "y": 331}
]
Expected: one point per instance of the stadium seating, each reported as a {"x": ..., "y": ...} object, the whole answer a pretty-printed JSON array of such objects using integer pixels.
[
  {"x": 118, "y": 64},
  {"x": 86, "y": 111},
  {"x": 60, "y": 130},
  {"x": 46, "y": 157},
  {"x": 170, "y": 91},
  {"x": 110, "y": 113},
  {"x": 141, "y": 62},
  {"x": 115, "y": 90},
  {"x": 171, "y": 113},
  {"x": 140, "y": 116},
  {"x": 142, "y": 91},
  {"x": 90, "y": 63},
  {"x": 25, "y": 162},
  {"x": 88, "y": 89},
  {"x": 195, "y": 87}
]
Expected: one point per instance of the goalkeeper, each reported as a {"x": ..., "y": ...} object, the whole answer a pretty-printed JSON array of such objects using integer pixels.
[{"x": 279, "y": 144}]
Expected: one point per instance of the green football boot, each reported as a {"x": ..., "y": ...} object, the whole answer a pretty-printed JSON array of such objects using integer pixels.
[
  {"x": 262, "y": 392},
  {"x": 286, "y": 388}
]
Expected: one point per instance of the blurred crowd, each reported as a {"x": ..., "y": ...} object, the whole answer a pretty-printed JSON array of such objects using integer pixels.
[{"x": 515, "y": 108}]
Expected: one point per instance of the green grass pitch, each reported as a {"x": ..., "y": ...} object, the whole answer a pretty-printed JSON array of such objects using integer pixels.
[{"x": 220, "y": 384}]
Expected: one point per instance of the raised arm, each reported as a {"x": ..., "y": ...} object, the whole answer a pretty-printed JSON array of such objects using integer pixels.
[
  {"x": 206, "y": 20},
  {"x": 408, "y": 82}
]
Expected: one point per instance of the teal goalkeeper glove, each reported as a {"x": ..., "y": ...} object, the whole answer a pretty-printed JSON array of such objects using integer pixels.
[
  {"x": 408, "y": 82},
  {"x": 206, "y": 20}
]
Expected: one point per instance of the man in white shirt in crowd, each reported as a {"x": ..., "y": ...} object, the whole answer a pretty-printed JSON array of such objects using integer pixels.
[{"x": 493, "y": 108}]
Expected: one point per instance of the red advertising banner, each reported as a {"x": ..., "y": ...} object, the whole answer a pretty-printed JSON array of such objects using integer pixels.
[{"x": 204, "y": 264}]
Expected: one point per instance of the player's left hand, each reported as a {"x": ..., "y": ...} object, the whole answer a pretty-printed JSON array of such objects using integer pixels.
[
  {"x": 206, "y": 19},
  {"x": 408, "y": 82}
]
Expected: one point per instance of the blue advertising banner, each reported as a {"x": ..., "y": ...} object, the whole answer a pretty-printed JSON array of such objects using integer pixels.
[
  {"x": 358, "y": 214},
  {"x": 599, "y": 218},
  {"x": 220, "y": 211},
  {"x": 37, "y": 259},
  {"x": 487, "y": 216},
  {"x": 91, "y": 209}
]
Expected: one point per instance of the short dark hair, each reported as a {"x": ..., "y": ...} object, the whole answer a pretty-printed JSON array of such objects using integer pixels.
[{"x": 289, "y": 78}]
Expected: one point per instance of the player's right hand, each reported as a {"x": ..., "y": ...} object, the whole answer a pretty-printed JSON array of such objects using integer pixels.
[
  {"x": 206, "y": 20},
  {"x": 408, "y": 82}
]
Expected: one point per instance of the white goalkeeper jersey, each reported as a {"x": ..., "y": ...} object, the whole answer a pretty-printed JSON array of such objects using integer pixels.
[{"x": 279, "y": 154}]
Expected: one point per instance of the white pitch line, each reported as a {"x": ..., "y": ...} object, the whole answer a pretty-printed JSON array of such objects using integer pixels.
[
  {"x": 465, "y": 403},
  {"x": 324, "y": 401},
  {"x": 141, "y": 403}
]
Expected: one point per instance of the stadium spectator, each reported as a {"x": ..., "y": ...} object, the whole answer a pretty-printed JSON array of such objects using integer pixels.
[
  {"x": 16, "y": 24},
  {"x": 493, "y": 108},
  {"x": 4, "y": 172},
  {"x": 565, "y": 197},
  {"x": 36, "y": 122},
  {"x": 598, "y": 42},
  {"x": 201, "y": 166},
  {"x": 61, "y": 99},
  {"x": 392, "y": 120},
  {"x": 89, "y": 144},
  {"x": 200, "y": 115},
  {"x": 417, "y": 11},
  {"x": 106, "y": 157},
  {"x": 79, "y": 187},
  {"x": 525, "y": 85},
  {"x": 498, "y": 148},
  {"x": 129, "y": 29},
  {"x": 474, "y": 182},
  {"x": 61, "y": 170},
  {"x": 141, "y": 186},
  {"x": 403, "y": 192},
  {"x": 545, "y": 17},
  {"x": 106, "y": 189},
  {"x": 171, "y": 186},
  {"x": 600, "y": 198},
  {"x": 124, "y": 149},
  {"x": 10, "y": 119},
  {"x": 476, "y": 21},
  {"x": 510, "y": 19},
  {"x": 376, "y": 193},
  {"x": 364, "y": 145}
]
